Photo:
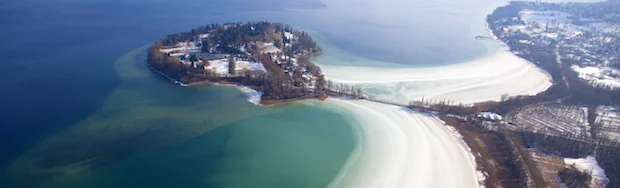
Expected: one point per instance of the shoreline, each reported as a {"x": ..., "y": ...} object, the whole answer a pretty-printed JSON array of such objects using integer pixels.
[
  {"x": 166, "y": 76},
  {"x": 282, "y": 101},
  {"x": 421, "y": 150},
  {"x": 259, "y": 101},
  {"x": 409, "y": 130},
  {"x": 486, "y": 78},
  {"x": 517, "y": 69},
  {"x": 481, "y": 174},
  {"x": 239, "y": 86},
  {"x": 479, "y": 142},
  {"x": 469, "y": 82},
  {"x": 404, "y": 137}
]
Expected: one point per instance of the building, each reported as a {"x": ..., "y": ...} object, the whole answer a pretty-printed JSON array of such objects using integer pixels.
[
  {"x": 490, "y": 116},
  {"x": 210, "y": 56}
]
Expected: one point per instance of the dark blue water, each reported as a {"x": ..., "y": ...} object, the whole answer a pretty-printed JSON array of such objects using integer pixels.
[{"x": 57, "y": 55}]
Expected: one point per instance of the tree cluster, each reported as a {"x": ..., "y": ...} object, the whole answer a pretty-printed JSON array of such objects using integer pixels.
[
  {"x": 278, "y": 87},
  {"x": 606, "y": 151},
  {"x": 344, "y": 89},
  {"x": 270, "y": 65},
  {"x": 442, "y": 106},
  {"x": 572, "y": 177},
  {"x": 161, "y": 62}
]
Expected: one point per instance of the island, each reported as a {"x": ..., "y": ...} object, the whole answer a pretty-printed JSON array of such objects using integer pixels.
[{"x": 271, "y": 58}]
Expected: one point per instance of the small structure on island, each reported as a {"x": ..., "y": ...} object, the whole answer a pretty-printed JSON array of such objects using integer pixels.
[{"x": 490, "y": 116}]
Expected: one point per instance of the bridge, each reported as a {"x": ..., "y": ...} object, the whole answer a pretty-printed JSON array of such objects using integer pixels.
[
  {"x": 339, "y": 94},
  {"x": 387, "y": 102}
]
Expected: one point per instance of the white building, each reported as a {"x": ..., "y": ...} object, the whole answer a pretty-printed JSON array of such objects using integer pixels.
[{"x": 490, "y": 116}]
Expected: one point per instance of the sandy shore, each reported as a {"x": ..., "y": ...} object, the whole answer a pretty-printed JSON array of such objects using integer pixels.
[
  {"x": 478, "y": 80},
  {"x": 401, "y": 148}
]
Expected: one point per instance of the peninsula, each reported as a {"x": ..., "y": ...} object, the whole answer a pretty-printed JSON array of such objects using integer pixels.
[{"x": 271, "y": 58}]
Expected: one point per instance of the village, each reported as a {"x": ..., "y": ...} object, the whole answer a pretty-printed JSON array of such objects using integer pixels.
[
  {"x": 577, "y": 43},
  {"x": 584, "y": 36}
]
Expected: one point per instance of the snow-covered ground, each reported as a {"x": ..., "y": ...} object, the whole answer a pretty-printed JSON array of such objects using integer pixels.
[
  {"x": 289, "y": 35},
  {"x": 608, "y": 118},
  {"x": 552, "y": 118},
  {"x": 173, "y": 49},
  {"x": 269, "y": 48},
  {"x": 182, "y": 47},
  {"x": 555, "y": 17},
  {"x": 572, "y": 1},
  {"x": 484, "y": 79},
  {"x": 220, "y": 66},
  {"x": 589, "y": 165},
  {"x": 544, "y": 17},
  {"x": 401, "y": 148},
  {"x": 252, "y": 66},
  {"x": 560, "y": 24},
  {"x": 601, "y": 76}
]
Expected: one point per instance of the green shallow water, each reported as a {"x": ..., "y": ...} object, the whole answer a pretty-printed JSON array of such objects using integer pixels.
[
  {"x": 274, "y": 150},
  {"x": 151, "y": 133}
]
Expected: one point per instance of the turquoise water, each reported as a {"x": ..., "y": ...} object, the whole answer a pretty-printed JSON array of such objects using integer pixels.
[{"x": 267, "y": 151}]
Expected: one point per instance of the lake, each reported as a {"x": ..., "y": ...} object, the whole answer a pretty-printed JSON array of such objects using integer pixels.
[{"x": 75, "y": 90}]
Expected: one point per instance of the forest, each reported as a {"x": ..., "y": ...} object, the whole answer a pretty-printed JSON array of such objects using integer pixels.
[{"x": 605, "y": 151}]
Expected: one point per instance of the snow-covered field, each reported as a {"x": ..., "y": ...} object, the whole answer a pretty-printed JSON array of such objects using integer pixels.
[
  {"x": 401, "y": 148},
  {"x": 552, "y": 17},
  {"x": 563, "y": 21},
  {"x": 220, "y": 67},
  {"x": 543, "y": 17},
  {"x": 552, "y": 118},
  {"x": 600, "y": 76},
  {"x": 608, "y": 118},
  {"x": 269, "y": 48},
  {"x": 479, "y": 80}
]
